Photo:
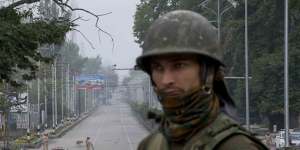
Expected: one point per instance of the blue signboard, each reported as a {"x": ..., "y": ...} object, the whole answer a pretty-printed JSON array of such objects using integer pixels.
[{"x": 90, "y": 81}]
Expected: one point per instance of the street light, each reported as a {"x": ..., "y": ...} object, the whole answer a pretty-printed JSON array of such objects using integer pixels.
[
  {"x": 115, "y": 68},
  {"x": 136, "y": 68},
  {"x": 219, "y": 12}
]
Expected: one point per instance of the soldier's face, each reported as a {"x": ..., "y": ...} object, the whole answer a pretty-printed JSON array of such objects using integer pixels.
[{"x": 174, "y": 75}]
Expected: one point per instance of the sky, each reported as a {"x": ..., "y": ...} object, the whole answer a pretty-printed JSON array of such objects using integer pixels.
[{"x": 119, "y": 24}]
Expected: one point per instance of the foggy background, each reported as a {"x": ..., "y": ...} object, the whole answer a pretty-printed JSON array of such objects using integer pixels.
[{"x": 119, "y": 24}]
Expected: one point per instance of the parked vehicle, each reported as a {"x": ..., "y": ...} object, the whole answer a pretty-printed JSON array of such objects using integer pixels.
[
  {"x": 295, "y": 138},
  {"x": 279, "y": 139}
]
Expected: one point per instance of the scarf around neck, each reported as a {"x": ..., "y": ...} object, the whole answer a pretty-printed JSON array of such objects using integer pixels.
[{"x": 186, "y": 115}]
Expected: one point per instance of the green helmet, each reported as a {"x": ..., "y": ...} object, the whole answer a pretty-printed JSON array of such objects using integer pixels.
[
  {"x": 181, "y": 31},
  {"x": 185, "y": 32}
]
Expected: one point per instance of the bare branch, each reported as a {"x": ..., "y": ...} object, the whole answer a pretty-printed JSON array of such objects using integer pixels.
[
  {"x": 111, "y": 38},
  {"x": 99, "y": 36},
  {"x": 79, "y": 18},
  {"x": 91, "y": 44},
  {"x": 79, "y": 9},
  {"x": 61, "y": 4},
  {"x": 21, "y": 2},
  {"x": 64, "y": 5}
]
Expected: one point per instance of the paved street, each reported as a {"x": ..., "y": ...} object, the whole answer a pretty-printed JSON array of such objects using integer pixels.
[{"x": 111, "y": 127}]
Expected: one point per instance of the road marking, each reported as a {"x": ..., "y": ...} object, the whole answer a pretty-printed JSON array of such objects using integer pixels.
[
  {"x": 98, "y": 131},
  {"x": 125, "y": 130}
]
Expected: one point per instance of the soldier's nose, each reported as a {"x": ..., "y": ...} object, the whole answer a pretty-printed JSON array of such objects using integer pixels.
[{"x": 167, "y": 78}]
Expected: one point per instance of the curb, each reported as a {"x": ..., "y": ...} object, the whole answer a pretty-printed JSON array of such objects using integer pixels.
[
  {"x": 38, "y": 143},
  {"x": 67, "y": 128},
  {"x": 35, "y": 144}
]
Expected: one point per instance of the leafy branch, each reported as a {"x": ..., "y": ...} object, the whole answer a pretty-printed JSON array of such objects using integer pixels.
[{"x": 64, "y": 5}]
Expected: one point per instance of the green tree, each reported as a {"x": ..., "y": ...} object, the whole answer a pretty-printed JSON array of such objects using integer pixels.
[
  {"x": 20, "y": 37},
  {"x": 266, "y": 31},
  {"x": 69, "y": 53},
  {"x": 29, "y": 35},
  {"x": 24, "y": 29},
  {"x": 147, "y": 12}
]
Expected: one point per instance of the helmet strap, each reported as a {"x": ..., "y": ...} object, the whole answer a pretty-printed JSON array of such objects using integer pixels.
[{"x": 207, "y": 76}]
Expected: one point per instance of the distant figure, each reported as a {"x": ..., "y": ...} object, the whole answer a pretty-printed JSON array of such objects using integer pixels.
[
  {"x": 89, "y": 144},
  {"x": 45, "y": 141},
  {"x": 269, "y": 141}
]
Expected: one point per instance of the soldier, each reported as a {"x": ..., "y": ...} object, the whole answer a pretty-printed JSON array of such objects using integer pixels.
[{"x": 182, "y": 56}]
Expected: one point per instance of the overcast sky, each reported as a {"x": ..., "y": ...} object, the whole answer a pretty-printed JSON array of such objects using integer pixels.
[{"x": 119, "y": 24}]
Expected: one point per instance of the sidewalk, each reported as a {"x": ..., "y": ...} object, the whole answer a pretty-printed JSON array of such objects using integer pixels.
[{"x": 52, "y": 133}]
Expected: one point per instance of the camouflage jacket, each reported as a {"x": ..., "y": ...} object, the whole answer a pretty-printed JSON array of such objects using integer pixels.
[{"x": 221, "y": 134}]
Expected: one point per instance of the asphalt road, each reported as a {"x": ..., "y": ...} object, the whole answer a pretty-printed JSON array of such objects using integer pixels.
[{"x": 111, "y": 127}]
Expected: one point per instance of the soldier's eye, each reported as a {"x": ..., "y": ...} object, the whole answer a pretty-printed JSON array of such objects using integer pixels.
[
  {"x": 156, "y": 67},
  {"x": 180, "y": 65}
]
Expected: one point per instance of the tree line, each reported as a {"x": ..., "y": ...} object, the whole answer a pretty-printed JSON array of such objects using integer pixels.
[
  {"x": 266, "y": 55},
  {"x": 33, "y": 37}
]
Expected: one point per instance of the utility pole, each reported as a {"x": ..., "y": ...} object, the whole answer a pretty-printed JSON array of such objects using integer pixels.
[
  {"x": 246, "y": 68},
  {"x": 79, "y": 103},
  {"x": 92, "y": 97},
  {"x": 73, "y": 95},
  {"x": 38, "y": 97},
  {"x": 85, "y": 100},
  {"x": 52, "y": 100},
  {"x": 219, "y": 22},
  {"x": 62, "y": 93},
  {"x": 219, "y": 12},
  {"x": 286, "y": 74},
  {"x": 28, "y": 110},
  {"x": 45, "y": 100},
  {"x": 55, "y": 91},
  {"x": 68, "y": 90},
  {"x": 106, "y": 95}
]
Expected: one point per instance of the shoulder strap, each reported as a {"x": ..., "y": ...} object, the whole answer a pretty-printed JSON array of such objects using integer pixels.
[
  {"x": 218, "y": 131},
  {"x": 155, "y": 141}
]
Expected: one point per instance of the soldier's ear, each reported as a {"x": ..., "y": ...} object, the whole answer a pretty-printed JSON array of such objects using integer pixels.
[{"x": 220, "y": 73}]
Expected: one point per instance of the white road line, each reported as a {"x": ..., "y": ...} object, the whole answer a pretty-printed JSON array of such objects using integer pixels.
[
  {"x": 99, "y": 130},
  {"x": 125, "y": 130}
]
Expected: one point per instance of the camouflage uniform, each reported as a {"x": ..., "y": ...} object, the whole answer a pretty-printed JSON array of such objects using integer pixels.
[
  {"x": 223, "y": 134},
  {"x": 187, "y": 32}
]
